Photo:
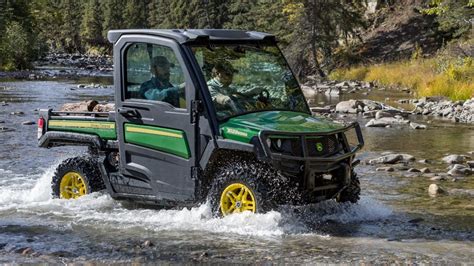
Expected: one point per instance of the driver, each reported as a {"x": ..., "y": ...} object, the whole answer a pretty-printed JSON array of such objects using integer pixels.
[{"x": 220, "y": 89}]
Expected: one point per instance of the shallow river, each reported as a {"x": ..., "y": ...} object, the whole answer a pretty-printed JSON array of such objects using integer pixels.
[{"x": 395, "y": 221}]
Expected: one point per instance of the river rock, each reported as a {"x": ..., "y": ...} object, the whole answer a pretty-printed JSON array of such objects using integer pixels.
[
  {"x": 321, "y": 110},
  {"x": 333, "y": 91},
  {"x": 27, "y": 251},
  {"x": 350, "y": 106},
  {"x": 381, "y": 114},
  {"x": 6, "y": 129},
  {"x": 454, "y": 159},
  {"x": 2, "y": 122},
  {"x": 425, "y": 170},
  {"x": 470, "y": 164},
  {"x": 413, "y": 170},
  {"x": 84, "y": 106},
  {"x": 438, "y": 178},
  {"x": 417, "y": 126},
  {"x": 461, "y": 192},
  {"x": 385, "y": 169},
  {"x": 385, "y": 121},
  {"x": 435, "y": 190},
  {"x": 28, "y": 123},
  {"x": 387, "y": 159},
  {"x": 20, "y": 113},
  {"x": 459, "y": 170},
  {"x": 108, "y": 107}
]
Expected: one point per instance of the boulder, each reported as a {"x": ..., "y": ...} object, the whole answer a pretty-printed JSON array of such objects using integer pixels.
[
  {"x": 417, "y": 126},
  {"x": 454, "y": 159},
  {"x": 435, "y": 190},
  {"x": 84, "y": 106},
  {"x": 425, "y": 170},
  {"x": 350, "y": 106},
  {"x": 387, "y": 159},
  {"x": 108, "y": 107},
  {"x": 459, "y": 170},
  {"x": 385, "y": 169}
]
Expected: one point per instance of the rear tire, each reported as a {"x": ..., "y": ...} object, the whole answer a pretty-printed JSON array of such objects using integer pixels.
[
  {"x": 352, "y": 192},
  {"x": 76, "y": 177}
]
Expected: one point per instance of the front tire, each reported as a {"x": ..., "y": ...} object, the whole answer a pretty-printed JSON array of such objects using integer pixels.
[
  {"x": 76, "y": 177},
  {"x": 241, "y": 186},
  {"x": 352, "y": 192}
]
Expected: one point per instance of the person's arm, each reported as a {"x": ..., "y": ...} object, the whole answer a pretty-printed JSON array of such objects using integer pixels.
[{"x": 159, "y": 94}]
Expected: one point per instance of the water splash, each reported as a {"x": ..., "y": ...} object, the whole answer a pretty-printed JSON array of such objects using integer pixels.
[{"x": 99, "y": 209}]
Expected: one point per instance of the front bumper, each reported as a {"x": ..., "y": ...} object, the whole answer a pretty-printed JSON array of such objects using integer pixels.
[{"x": 306, "y": 160}]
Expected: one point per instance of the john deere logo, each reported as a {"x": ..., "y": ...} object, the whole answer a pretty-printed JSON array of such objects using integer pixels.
[{"x": 319, "y": 146}]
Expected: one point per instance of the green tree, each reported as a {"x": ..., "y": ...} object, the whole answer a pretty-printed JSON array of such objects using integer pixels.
[
  {"x": 91, "y": 27},
  {"x": 113, "y": 15},
  {"x": 158, "y": 11},
  {"x": 72, "y": 14},
  {"x": 319, "y": 26},
  {"x": 454, "y": 17},
  {"x": 136, "y": 12}
]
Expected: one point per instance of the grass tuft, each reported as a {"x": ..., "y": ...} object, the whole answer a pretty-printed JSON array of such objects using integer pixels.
[{"x": 452, "y": 78}]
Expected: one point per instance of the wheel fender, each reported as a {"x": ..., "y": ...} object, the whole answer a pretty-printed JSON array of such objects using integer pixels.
[
  {"x": 227, "y": 144},
  {"x": 54, "y": 139}
]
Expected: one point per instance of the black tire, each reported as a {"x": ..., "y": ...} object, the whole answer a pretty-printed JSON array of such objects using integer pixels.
[
  {"x": 352, "y": 192},
  {"x": 254, "y": 176},
  {"x": 86, "y": 167}
]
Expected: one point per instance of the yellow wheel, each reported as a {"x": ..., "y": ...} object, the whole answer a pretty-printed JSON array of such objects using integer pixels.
[
  {"x": 76, "y": 177},
  {"x": 237, "y": 198},
  {"x": 72, "y": 186}
]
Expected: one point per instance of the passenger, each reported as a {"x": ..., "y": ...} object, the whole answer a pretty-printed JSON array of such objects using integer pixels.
[
  {"x": 220, "y": 87},
  {"x": 159, "y": 87}
]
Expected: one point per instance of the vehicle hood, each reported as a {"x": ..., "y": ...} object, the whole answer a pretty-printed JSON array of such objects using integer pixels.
[{"x": 244, "y": 127}]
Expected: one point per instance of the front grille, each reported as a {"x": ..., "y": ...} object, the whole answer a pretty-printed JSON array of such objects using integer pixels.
[
  {"x": 317, "y": 146},
  {"x": 322, "y": 146}
]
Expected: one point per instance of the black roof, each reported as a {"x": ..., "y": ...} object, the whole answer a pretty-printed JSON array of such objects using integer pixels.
[{"x": 196, "y": 35}]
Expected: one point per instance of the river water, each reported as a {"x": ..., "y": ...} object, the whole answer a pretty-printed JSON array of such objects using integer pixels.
[{"x": 395, "y": 221}]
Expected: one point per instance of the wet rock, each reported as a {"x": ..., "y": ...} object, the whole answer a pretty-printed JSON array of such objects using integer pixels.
[
  {"x": 454, "y": 159},
  {"x": 6, "y": 129},
  {"x": 470, "y": 163},
  {"x": 381, "y": 114},
  {"x": 417, "y": 126},
  {"x": 425, "y": 161},
  {"x": 108, "y": 107},
  {"x": 385, "y": 169},
  {"x": 333, "y": 92},
  {"x": 425, "y": 170},
  {"x": 2, "y": 122},
  {"x": 81, "y": 86},
  {"x": 462, "y": 192},
  {"x": 416, "y": 220},
  {"x": 147, "y": 244},
  {"x": 369, "y": 114},
  {"x": 408, "y": 157},
  {"x": 350, "y": 106},
  {"x": 387, "y": 159},
  {"x": 386, "y": 121},
  {"x": 28, "y": 123},
  {"x": 61, "y": 253},
  {"x": 459, "y": 170},
  {"x": 84, "y": 106},
  {"x": 413, "y": 170},
  {"x": 438, "y": 178},
  {"x": 435, "y": 190},
  {"x": 19, "y": 113},
  {"x": 27, "y": 251},
  {"x": 321, "y": 110}
]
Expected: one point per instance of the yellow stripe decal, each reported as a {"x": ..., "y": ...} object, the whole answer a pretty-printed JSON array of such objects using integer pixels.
[
  {"x": 81, "y": 124},
  {"x": 153, "y": 131}
]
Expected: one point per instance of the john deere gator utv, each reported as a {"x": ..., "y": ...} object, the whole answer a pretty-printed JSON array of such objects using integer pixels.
[{"x": 254, "y": 149}]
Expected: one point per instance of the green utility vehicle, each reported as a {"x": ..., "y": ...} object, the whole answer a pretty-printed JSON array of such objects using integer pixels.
[{"x": 202, "y": 115}]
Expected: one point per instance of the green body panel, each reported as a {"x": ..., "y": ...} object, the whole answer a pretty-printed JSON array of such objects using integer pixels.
[
  {"x": 163, "y": 139},
  {"x": 105, "y": 130},
  {"x": 244, "y": 127}
]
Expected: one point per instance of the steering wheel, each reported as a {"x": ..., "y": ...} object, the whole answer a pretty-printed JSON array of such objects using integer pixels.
[{"x": 264, "y": 97}]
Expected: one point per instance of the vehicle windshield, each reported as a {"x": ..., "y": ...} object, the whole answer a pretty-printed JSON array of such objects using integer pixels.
[{"x": 249, "y": 78}]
